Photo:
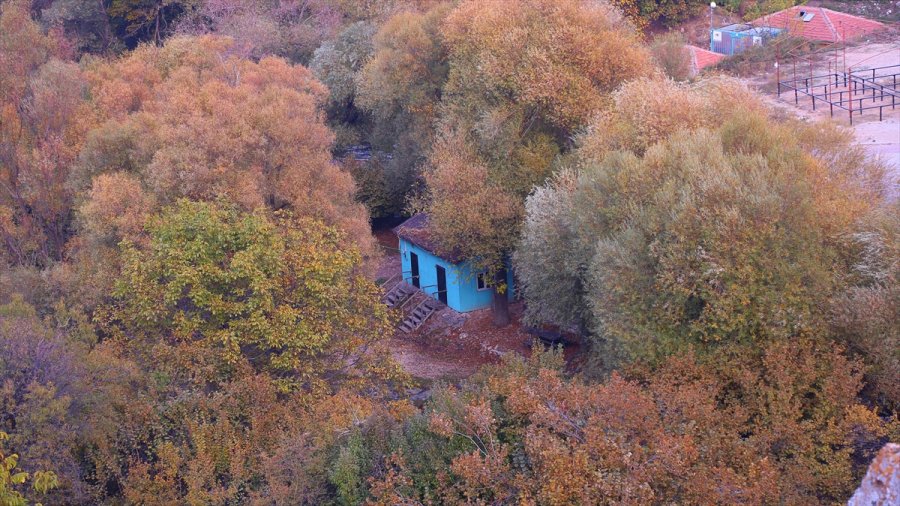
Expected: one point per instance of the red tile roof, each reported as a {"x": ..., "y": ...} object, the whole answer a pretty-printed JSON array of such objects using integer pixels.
[
  {"x": 702, "y": 58},
  {"x": 826, "y": 25}
]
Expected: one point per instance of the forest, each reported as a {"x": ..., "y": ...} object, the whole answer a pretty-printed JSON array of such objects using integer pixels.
[{"x": 188, "y": 307}]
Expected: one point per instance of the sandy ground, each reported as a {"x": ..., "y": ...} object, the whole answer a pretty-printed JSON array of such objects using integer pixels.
[{"x": 880, "y": 138}]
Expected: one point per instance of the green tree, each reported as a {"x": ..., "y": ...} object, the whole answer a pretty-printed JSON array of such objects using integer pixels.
[
  {"x": 226, "y": 290},
  {"x": 42, "y": 481},
  {"x": 669, "y": 12},
  {"x": 336, "y": 63},
  {"x": 694, "y": 235}
]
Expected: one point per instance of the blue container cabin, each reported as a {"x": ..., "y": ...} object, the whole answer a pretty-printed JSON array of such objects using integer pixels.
[
  {"x": 737, "y": 38},
  {"x": 449, "y": 278}
]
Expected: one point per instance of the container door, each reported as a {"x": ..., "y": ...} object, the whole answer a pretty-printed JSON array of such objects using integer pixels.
[
  {"x": 441, "y": 283},
  {"x": 414, "y": 267}
]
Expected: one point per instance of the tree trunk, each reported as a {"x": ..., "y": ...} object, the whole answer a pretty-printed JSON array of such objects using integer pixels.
[
  {"x": 156, "y": 38},
  {"x": 500, "y": 301},
  {"x": 106, "y": 36}
]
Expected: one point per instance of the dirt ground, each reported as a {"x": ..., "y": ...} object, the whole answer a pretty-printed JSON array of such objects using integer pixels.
[{"x": 451, "y": 346}]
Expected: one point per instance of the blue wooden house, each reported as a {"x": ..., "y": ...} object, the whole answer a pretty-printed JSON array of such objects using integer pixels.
[{"x": 448, "y": 278}]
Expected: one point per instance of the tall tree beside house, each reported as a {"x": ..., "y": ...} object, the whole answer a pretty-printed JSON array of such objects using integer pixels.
[
  {"x": 400, "y": 87},
  {"x": 524, "y": 76},
  {"x": 734, "y": 230}
]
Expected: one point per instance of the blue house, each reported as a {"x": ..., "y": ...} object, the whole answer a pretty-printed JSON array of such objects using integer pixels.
[{"x": 448, "y": 278}]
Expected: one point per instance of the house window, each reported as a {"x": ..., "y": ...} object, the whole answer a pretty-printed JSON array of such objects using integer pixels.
[{"x": 481, "y": 281}]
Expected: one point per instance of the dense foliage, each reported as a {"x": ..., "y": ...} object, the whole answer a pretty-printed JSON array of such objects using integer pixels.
[
  {"x": 710, "y": 228},
  {"x": 752, "y": 428},
  {"x": 187, "y": 306}
]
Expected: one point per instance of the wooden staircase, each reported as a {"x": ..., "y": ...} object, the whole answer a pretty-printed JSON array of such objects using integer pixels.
[
  {"x": 398, "y": 295},
  {"x": 415, "y": 318},
  {"x": 401, "y": 294}
]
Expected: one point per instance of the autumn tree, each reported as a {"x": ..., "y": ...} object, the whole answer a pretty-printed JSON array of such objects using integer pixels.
[
  {"x": 58, "y": 388},
  {"x": 41, "y": 129},
  {"x": 86, "y": 23},
  {"x": 866, "y": 317},
  {"x": 524, "y": 76},
  {"x": 400, "y": 86},
  {"x": 188, "y": 120},
  {"x": 672, "y": 55},
  {"x": 263, "y": 331},
  {"x": 224, "y": 290},
  {"x": 781, "y": 425},
  {"x": 291, "y": 30},
  {"x": 694, "y": 233}
]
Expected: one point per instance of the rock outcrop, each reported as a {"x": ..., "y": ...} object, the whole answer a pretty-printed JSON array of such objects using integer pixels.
[{"x": 881, "y": 485}]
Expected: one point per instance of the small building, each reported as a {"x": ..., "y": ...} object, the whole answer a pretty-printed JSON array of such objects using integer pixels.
[
  {"x": 737, "y": 38},
  {"x": 448, "y": 277},
  {"x": 819, "y": 24}
]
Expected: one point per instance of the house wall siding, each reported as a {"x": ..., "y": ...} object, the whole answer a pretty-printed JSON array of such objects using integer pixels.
[{"x": 462, "y": 286}]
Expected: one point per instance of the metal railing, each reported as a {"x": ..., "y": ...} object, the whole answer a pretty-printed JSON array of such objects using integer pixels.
[
  {"x": 434, "y": 294},
  {"x": 849, "y": 91}
]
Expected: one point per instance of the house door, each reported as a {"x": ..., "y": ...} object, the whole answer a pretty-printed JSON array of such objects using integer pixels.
[
  {"x": 441, "y": 283},
  {"x": 414, "y": 267}
]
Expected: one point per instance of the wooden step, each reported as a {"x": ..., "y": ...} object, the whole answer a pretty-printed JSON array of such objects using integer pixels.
[
  {"x": 418, "y": 315},
  {"x": 397, "y": 295}
]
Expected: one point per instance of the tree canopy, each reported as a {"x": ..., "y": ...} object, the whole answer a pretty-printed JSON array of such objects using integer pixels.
[
  {"x": 194, "y": 308},
  {"x": 216, "y": 290},
  {"x": 687, "y": 227}
]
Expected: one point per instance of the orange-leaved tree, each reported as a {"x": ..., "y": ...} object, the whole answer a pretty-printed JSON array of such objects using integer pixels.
[{"x": 524, "y": 76}]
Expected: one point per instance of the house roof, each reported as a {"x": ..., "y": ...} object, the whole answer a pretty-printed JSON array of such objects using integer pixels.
[
  {"x": 416, "y": 231},
  {"x": 823, "y": 24},
  {"x": 702, "y": 58}
]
